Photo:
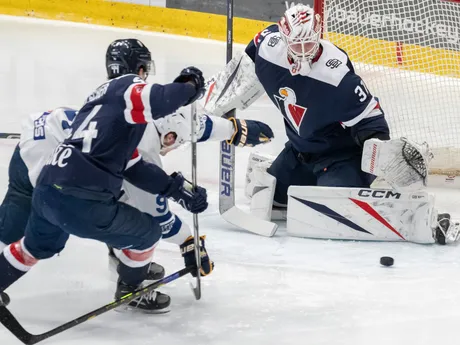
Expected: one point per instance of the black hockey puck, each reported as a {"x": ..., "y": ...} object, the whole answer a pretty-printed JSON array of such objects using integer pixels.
[{"x": 387, "y": 261}]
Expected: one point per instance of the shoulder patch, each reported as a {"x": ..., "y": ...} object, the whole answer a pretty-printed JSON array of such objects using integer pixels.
[
  {"x": 273, "y": 41},
  {"x": 333, "y": 63},
  {"x": 273, "y": 50},
  {"x": 264, "y": 33},
  {"x": 332, "y": 66}
]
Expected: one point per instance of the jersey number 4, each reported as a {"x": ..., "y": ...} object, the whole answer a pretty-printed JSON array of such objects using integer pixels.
[{"x": 87, "y": 130}]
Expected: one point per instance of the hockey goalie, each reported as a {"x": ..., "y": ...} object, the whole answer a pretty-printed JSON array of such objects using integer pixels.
[{"x": 338, "y": 142}]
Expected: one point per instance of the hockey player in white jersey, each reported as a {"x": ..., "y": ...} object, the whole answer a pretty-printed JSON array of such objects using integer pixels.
[
  {"x": 335, "y": 128},
  {"x": 169, "y": 133},
  {"x": 40, "y": 134}
]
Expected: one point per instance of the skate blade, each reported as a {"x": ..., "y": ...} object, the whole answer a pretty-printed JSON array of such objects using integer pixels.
[{"x": 129, "y": 309}]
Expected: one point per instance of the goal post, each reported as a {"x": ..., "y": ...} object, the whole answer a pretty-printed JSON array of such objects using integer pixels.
[{"x": 408, "y": 53}]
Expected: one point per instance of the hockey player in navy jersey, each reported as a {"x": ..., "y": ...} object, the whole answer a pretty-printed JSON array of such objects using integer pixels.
[
  {"x": 78, "y": 189},
  {"x": 334, "y": 125},
  {"x": 42, "y": 132},
  {"x": 327, "y": 109}
]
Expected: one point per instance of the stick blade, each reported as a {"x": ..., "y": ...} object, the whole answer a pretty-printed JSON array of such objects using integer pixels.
[{"x": 248, "y": 222}]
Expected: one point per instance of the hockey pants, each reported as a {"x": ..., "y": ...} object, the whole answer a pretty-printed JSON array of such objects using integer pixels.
[
  {"x": 16, "y": 206},
  {"x": 289, "y": 170}
]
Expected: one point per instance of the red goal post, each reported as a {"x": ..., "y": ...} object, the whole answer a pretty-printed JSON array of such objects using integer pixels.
[{"x": 408, "y": 52}]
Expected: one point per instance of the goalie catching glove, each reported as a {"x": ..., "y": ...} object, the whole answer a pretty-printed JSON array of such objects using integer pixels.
[
  {"x": 250, "y": 133},
  {"x": 187, "y": 250},
  {"x": 401, "y": 162}
]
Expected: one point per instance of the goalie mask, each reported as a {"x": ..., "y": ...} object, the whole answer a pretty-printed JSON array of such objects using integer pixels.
[{"x": 300, "y": 30}]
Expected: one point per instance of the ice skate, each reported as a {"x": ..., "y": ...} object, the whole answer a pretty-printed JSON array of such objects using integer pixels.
[{"x": 152, "y": 303}]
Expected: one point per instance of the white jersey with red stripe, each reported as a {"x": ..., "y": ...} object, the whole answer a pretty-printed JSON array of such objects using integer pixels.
[
  {"x": 93, "y": 161},
  {"x": 326, "y": 108},
  {"x": 40, "y": 134}
]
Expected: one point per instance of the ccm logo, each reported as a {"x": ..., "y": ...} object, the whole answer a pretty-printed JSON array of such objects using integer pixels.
[{"x": 379, "y": 194}]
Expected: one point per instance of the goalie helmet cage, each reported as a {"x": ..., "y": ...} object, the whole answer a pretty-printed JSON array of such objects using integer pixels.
[{"x": 408, "y": 53}]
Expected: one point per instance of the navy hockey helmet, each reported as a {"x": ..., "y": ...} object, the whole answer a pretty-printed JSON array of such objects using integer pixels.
[{"x": 125, "y": 56}]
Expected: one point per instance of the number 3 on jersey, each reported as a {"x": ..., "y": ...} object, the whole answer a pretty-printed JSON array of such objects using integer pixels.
[
  {"x": 87, "y": 130},
  {"x": 362, "y": 91}
]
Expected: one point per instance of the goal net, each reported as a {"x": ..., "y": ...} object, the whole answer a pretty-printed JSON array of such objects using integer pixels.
[{"x": 408, "y": 53}]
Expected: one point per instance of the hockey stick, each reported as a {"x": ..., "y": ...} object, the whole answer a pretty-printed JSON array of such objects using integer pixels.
[
  {"x": 12, "y": 324},
  {"x": 196, "y": 231},
  {"x": 227, "y": 207},
  {"x": 10, "y": 135}
]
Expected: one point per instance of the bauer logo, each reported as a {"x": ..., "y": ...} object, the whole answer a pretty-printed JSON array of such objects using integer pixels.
[
  {"x": 379, "y": 194},
  {"x": 226, "y": 169}
]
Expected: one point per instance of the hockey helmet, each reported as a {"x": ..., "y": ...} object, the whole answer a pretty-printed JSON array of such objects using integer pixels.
[
  {"x": 300, "y": 29},
  {"x": 175, "y": 129},
  {"x": 125, "y": 56}
]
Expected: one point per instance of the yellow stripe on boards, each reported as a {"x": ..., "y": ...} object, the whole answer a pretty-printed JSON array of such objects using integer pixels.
[
  {"x": 205, "y": 25},
  {"x": 125, "y": 15},
  {"x": 412, "y": 57}
]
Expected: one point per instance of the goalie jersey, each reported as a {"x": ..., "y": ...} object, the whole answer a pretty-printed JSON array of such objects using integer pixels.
[
  {"x": 326, "y": 113},
  {"x": 101, "y": 149}
]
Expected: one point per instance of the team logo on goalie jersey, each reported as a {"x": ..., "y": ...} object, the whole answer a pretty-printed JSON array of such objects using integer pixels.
[{"x": 286, "y": 103}]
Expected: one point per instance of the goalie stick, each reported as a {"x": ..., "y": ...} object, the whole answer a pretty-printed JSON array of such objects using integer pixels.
[
  {"x": 13, "y": 325},
  {"x": 196, "y": 231},
  {"x": 227, "y": 207}
]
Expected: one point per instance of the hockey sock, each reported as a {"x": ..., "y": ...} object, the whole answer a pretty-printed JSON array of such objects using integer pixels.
[
  {"x": 8, "y": 274},
  {"x": 132, "y": 276},
  {"x": 134, "y": 264},
  {"x": 15, "y": 261}
]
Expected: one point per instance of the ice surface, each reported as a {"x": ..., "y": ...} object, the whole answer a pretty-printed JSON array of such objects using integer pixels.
[{"x": 263, "y": 291}]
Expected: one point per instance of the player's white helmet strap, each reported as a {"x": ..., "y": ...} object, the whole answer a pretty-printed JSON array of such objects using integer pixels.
[{"x": 300, "y": 29}]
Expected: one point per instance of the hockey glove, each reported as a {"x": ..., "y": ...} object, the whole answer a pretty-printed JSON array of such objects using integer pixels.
[
  {"x": 250, "y": 133},
  {"x": 187, "y": 250},
  {"x": 180, "y": 190},
  {"x": 194, "y": 75}
]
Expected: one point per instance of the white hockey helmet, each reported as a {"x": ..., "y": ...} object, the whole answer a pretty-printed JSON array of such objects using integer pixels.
[
  {"x": 174, "y": 130},
  {"x": 300, "y": 29}
]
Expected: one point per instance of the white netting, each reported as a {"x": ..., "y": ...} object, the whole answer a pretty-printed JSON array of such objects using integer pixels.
[{"x": 408, "y": 53}]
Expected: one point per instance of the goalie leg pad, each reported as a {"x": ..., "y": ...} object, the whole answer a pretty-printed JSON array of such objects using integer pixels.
[
  {"x": 256, "y": 159},
  {"x": 360, "y": 214},
  {"x": 263, "y": 192}
]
